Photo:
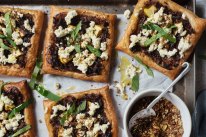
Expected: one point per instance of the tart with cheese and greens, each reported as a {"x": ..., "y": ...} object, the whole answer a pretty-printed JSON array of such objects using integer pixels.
[
  {"x": 16, "y": 110},
  {"x": 79, "y": 44},
  {"x": 83, "y": 114},
  {"x": 19, "y": 40},
  {"x": 162, "y": 34}
]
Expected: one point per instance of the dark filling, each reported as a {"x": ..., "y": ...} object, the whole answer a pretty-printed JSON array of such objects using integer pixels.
[
  {"x": 168, "y": 63},
  {"x": 15, "y": 95},
  {"x": 59, "y": 20},
  {"x": 167, "y": 121},
  {"x": 21, "y": 60},
  {"x": 91, "y": 98}
]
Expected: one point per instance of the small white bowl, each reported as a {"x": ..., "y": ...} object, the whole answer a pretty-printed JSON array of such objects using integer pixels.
[{"x": 174, "y": 99}]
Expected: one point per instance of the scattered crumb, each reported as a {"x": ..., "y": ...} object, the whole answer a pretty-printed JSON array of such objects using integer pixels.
[
  {"x": 57, "y": 86},
  {"x": 127, "y": 13},
  {"x": 40, "y": 121},
  {"x": 118, "y": 68}
]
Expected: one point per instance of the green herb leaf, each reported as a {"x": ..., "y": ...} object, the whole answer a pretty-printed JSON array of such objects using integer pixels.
[
  {"x": 35, "y": 73},
  {"x": 3, "y": 45},
  {"x": 70, "y": 111},
  {"x": 152, "y": 39},
  {"x": 97, "y": 52},
  {"x": 22, "y": 130},
  {"x": 11, "y": 42},
  {"x": 81, "y": 107},
  {"x": 148, "y": 70},
  {"x": 8, "y": 24},
  {"x": 135, "y": 83},
  {"x": 77, "y": 48},
  {"x": 19, "y": 108},
  {"x": 2, "y": 36},
  {"x": 164, "y": 34},
  {"x": 46, "y": 93},
  {"x": 76, "y": 31}
]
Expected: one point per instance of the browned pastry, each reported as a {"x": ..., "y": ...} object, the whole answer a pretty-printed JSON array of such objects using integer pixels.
[
  {"x": 18, "y": 59},
  {"x": 144, "y": 37},
  {"x": 96, "y": 118},
  {"x": 87, "y": 55},
  {"x": 14, "y": 94}
]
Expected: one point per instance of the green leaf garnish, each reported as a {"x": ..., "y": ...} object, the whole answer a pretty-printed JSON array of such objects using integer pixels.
[
  {"x": 2, "y": 36},
  {"x": 35, "y": 73},
  {"x": 135, "y": 83},
  {"x": 22, "y": 130},
  {"x": 76, "y": 31},
  {"x": 152, "y": 39},
  {"x": 81, "y": 107},
  {"x": 73, "y": 110},
  {"x": 149, "y": 71},
  {"x": 161, "y": 31},
  {"x": 77, "y": 48},
  {"x": 11, "y": 42},
  {"x": 3, "y": 45},
  {"x": 97, "y": 52},
  {"x": 8, "y": 24},
  {"x": 70, "y": 111},
  {"x": 19, "y": 108},
  {"x": 46, "y": 93}
]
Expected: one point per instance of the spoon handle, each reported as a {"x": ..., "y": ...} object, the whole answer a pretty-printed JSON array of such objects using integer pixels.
[{"x": 187, "y": 67}]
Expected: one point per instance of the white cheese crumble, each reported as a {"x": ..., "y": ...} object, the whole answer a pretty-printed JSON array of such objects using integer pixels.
[
  {"x": 65, "y": 53},
  {"x": 13, "y": 123},
  {"x": 131, "y": 71},
  {"x": 104, "y": 55},
  {"x": 6, "y": 100},
  {"x": 127, "y": 14},
  {"x": 157, "y": 17},
  {"x": 71, "y": 14},
  {"x": 2, "y": 131},
  {"x": 183, "y": 46},
  {"x": 60, "y": 32},
  {"x": 89, "y": 122},
  {"x": 93, "y": 107},
  {"x": 16, "y": 37},
  {"x": 3, "y": 116},
  {"x": 67, "y": 132},
  {"x": 26, "y": 44},
  {"x": 183, "y": 16},
  {"x": 80, "y": 116},
  {"x": 103, "y": 46},
  {"x": 27, "y": 25},
  {"x": 56, "y": 109}
]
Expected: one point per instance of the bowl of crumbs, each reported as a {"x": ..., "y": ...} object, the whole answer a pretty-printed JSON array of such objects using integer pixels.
[{"x": 172, "y": 117}]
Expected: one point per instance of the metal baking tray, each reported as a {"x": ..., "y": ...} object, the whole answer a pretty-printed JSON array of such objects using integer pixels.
[{"x": 186, "y": 88}]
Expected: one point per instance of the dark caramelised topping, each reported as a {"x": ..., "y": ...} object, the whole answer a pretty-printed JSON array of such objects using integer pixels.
[
  {"x": 16, "y": 31},
  {"x": 166, "y": 123},
  {"x": 166, "y": 51},
  {"x": 83, "y": 52},
  {"x": 10, "y": 98},
  {"x": 90, "y": 121}
]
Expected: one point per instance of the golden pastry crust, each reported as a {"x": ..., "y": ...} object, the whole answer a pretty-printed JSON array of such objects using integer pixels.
[
  {"x": 198, "y": 24},
  {"x": 104, "y": 77},
  {"x": 28, "y": 112},
  {"x": 15, "y": 70},
  {"x": 108, "y": 108}
]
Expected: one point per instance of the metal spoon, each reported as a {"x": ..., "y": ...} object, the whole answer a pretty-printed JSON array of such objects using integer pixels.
[{"x": 149, "y": 111}]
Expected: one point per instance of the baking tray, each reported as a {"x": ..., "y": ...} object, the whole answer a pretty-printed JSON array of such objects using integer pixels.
[{"x": 185, "y": 89}]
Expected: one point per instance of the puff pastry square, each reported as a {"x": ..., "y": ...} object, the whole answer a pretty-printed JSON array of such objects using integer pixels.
[
  {"x": 13, "y": 94},
  {"x": 19, "y": 44},
  {"x": 97, "y": 118},
  {"x": 162, "y": 34},
  {"x": 85, "y": 55}
]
